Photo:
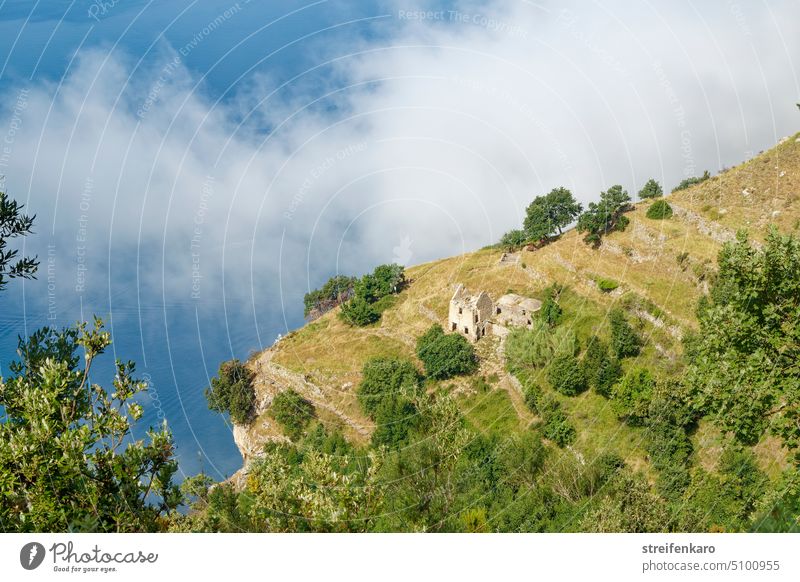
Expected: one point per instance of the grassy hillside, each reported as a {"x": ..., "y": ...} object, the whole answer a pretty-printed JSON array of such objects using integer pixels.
[{"x": 661, "y": 267}]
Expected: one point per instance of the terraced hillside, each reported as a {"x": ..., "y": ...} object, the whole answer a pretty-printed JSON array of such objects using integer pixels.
[{"x": 661, "y": 267}]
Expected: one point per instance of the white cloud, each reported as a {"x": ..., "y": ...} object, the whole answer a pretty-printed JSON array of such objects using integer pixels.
[{"x": 437, "y": 132}]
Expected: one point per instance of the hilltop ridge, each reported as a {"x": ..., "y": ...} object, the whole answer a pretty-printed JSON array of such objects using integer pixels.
[{"x": 657, "y": 269}]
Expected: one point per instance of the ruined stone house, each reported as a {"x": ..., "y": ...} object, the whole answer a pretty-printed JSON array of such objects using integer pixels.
[
  {"x": 476, "y": 315},
  {"x": 470, "y": 314},
  {"x": 516, "y": 310}
]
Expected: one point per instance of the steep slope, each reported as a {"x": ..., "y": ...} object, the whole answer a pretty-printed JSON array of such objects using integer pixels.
[{"x": 662, "y": 267}]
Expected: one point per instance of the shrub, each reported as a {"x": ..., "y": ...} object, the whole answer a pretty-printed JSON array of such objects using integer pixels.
[
  {"x": 232, "y": 391},
  {"x": 359, "y": 312},
  {"x": 536, "y": 347},
  {"x": 594, "y": 360},
  {"x": 659, "y": 210},
  {"x": 371, "y": 295},
  {"x": 651, "y": 189},
  {"x": 513, "y": 239},
  {"x": 384, "y": 378},
  {"x": 692, "y": 181},
  {"x": 395, "y": 417},
  {"x": 335, "y": 291},
  {"x": 669, "y": 448},
  {"x": 566, "y": 375},
  {"x": 606, "y": 285},
  {"x": 631, "y": 396},
  {"x": 608, "y": 376},
  {"x": 292, "y": 412},
  {"x": 682, "y": 258},
  {"x": 532, "y": 393},
  {"x": 557, "y": 426},
  {"x": 625, "y": 342},
  {"x": 551, "y": 312},
  {"x": 445, "y": 355}
]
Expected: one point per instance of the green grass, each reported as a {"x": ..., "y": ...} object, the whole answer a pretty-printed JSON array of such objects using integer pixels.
[
  {"x": 490, "y": 412},
  {"x": 606, "y": 285}
]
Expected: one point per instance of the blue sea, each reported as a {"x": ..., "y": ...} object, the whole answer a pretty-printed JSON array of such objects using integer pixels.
[{"x": 176, "y": 342}]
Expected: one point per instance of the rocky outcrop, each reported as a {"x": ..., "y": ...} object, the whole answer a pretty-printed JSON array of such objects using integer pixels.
[{"x": 713, "y": 230}]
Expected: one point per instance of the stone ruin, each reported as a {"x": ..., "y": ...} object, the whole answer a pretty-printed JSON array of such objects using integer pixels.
[{"x": 476, "y": 315}]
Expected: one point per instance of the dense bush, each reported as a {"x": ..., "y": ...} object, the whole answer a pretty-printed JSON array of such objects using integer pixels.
[
  {"x": 566, "y": 375},
  {"x": 292, "y": 412},
  {"x": 445, "y": 355},
  {"x": 532, "y": 394},
  {"x": 609, "y": 374},
  {"x": 232, "y": 391},
  {"x": 594, "y": 359},
  {"x": 743, "y": 360},
  {"x": 537, "y": 346},
  {"x": 557, "y": 426},
  {"x": 601, "y": 370},
  {"x": 659, "y": 210},
  {"x": 370, "y": 294},
  {"x": 625, "y": 342},
  {"x": 606, "y": 285},
  {"x": 551, "y": 312},
  {"x": 727, "y": 499},
  {"x": 651, "y": 189},
  {"x": 395, "y": 417},
  {"x": 383, "y": 378},
  {"x": 669, "y": 447},
  {"x": 384, "y": 280},
  {"x": 631, "y": 396},
  {"x": 692, "y": 181},
  {"x": 513, "y": 240},
  {"x": 335, "y": 291},
  {"x": 71, "y": 456},
  {"x": 359, "y": 312}
]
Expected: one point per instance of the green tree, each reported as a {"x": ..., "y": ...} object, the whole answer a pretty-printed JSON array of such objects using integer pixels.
[
  {"x": 335, "y": 291},
  {"x": 390, "y": 279},
  {"x": 688, "y": 182},
  {"x": 606, "y": 216},
  {"x": 14, "y": 224},
  {"x": 550, "y": 213},
  {"x": 383, "y": 378},
  {"x": 595, "y": 358},
  {"x": 537, "y": 225},
  {"x": 744, "y": 359},
  {"x": 659, "y": 210},
  {"x": 608, "y": 376},
  {"x": 310, "y": 491},
  {"x": 69, "y": 460},
  {"x": 292, "y": 412},
  {"x": 631, "y": 396},
  {"x": 625, "y": 342},
  {"x": 566, "y": 375},
  {"x": 358, "y": 312},
  {"x": 232, "y": 391},
  {"x": 557, "y": 426},
  {"x": 551, "y": 312},
  {"x": 627, "y": 506},
  {"x": 513, "y": 240},
  {"x": 446, "y": 355},
  {"x": 651, "y": 189},
  {"x": 562, "y": 208}
]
